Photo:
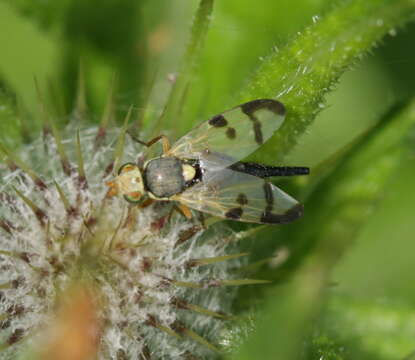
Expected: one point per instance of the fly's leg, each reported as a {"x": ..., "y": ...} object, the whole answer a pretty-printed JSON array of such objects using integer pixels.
[
  {"x": 140, "y": 161},
  {"x": 184, "y": 210},
  {"x": 146, "y": 203},
  {"x": 164, "y": 139}
]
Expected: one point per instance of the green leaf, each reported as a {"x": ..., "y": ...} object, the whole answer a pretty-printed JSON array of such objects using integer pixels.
[
  {"x": 335, "y": 213},
  {"x": 370, "y": 328},
  {"x": 45, "y": 13}
]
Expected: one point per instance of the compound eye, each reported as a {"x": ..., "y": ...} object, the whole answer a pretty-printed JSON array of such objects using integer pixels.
[
  {"x": 126, "y": 168},
  {"x": 133, "y": 197}
]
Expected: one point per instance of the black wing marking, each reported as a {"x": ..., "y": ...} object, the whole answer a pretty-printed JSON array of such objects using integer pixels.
[
  {"x": 243, "y": 197},
  {"x": 233, "y": 134}
]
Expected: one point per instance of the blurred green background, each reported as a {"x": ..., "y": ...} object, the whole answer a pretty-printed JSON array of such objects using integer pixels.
[{"x": 142, "y": 42}]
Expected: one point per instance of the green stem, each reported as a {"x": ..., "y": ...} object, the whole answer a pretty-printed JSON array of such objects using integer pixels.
[
  {"x": 302, "y": 73},
  {"x": 27, "y": 41},
  {"x": 187, "y": 68}
]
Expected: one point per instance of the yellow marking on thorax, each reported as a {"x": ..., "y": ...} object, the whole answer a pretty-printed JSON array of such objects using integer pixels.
[{"x": 189, "y": 172}]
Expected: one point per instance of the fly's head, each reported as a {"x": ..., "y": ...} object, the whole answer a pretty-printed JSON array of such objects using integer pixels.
[{"x": 128, "y": 183}]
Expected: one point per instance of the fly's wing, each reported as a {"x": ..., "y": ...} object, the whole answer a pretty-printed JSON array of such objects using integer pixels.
[
  {"x": 234, "y": 134},
  {"x": 239, "y": 196}
]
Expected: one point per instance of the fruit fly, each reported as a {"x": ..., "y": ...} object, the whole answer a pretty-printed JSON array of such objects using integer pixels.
[{"x": 203, "y": 169}]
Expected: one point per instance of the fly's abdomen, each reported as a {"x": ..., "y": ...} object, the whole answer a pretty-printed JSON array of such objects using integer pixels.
[{"x": 164, "y": 177}]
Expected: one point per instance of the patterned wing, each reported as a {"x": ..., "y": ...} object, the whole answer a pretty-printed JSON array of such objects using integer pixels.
[
  {"x": 242, "y": 197},
  {"x": 234, "y": 134}
]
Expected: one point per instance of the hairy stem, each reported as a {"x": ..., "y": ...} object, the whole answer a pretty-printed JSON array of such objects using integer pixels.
[{"x": 303, "y": 72}]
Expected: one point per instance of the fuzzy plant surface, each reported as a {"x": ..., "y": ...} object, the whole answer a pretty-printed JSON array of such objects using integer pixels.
[
  {"x": 86, "y": 275},
  {"x": 68, "y": 230}
]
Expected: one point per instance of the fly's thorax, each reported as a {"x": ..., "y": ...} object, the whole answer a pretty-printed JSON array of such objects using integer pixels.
[{"x": 167, "y": 176}]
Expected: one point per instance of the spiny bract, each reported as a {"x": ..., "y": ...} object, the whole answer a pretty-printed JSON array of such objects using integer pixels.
[{"x": 160, "y": 277}]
